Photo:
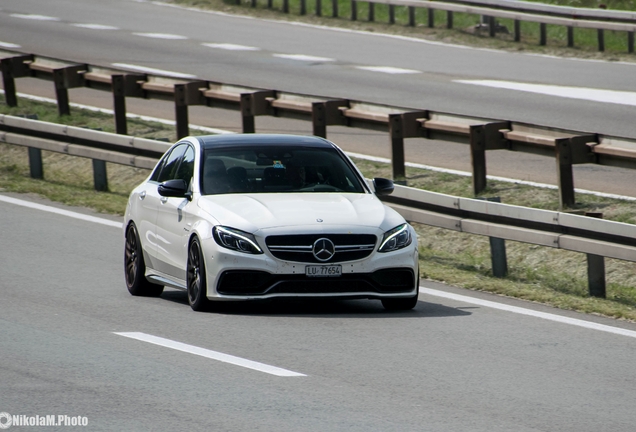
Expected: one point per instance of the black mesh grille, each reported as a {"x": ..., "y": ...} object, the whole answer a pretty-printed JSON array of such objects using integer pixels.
[
  {"x": 298, "y": 248},
  {"x": 388, "y": 281}
]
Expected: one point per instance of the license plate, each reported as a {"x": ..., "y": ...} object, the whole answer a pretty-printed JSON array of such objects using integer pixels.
[{"x": 316, "y": 270}]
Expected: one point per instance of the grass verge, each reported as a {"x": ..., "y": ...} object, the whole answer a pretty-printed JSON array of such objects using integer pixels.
[{"x": 550, "y": 276}]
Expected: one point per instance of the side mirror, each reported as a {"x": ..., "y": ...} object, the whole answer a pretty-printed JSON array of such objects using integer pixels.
[
  {"x": 177, "y": 188},
  {"x": 383, "y": 186}
]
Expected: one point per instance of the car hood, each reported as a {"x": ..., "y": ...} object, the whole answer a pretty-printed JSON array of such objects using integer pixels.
[{"x": 252, "y": 212}]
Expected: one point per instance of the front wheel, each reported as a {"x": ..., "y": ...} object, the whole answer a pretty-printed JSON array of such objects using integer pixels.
[
  {"x": 135, "y": 267},
  {"x": 197, "y": 287}
]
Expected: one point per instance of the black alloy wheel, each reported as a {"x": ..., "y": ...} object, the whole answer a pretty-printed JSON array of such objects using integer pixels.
[
  {"x": 197, "y": 288},
  {"x": 135, "y": 267}
]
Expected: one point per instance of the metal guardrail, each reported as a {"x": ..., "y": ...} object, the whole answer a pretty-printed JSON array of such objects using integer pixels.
[
  {"x": 481, "y": 134},
  {"x": 596, "y": 237},
  {"x": 518, "y": 11}
]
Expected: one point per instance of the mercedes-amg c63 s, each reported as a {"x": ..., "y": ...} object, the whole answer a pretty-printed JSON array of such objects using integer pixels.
[{"x": 245, "y": 217}]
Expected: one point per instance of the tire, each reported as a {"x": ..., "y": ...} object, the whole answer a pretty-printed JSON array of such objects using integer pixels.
[
  {"x": 402, "y": 304},
  {"x": 135, "y": 267},
  {"x": 196, "y": 280}
]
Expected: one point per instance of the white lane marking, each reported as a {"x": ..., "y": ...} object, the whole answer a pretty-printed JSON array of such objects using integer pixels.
[
  {"x": 230, "y": 47},
  {"x": 584, "y": 93},
  {"x": 387, "y": 69},
  {"x": 9, "y": 45},
  {"x": 95, "y": 26},
  {"x": 62, "y": 212},
  {"x": 161, "y": 36},
  {"x": 302, "y": 57},
  {"x": 529, "y": 312},
  {"x": 35, "y": 17},
  {"x": 214, "y": 355},
  {"x": 154, "y": 71}
]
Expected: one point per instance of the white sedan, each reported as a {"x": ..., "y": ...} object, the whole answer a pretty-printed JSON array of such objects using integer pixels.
[{"x": 245, "y": 217}]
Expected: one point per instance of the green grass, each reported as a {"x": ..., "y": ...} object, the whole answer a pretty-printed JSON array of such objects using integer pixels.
[
  {"x": 540, "y": 274},
  {"x": 463, "y": 31}
]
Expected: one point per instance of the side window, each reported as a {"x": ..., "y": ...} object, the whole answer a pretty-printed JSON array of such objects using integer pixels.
[
  {"x": 186, "y": 168},
  {"x": 155, "y": 174},
  {"x": 170, "y": 167}
]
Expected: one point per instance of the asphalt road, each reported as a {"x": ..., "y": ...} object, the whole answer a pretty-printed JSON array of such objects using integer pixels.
[
  {"x": 153, "y": 35},
  {"x": 452, "y": 364},
  {"x": 448, "y": 365}
]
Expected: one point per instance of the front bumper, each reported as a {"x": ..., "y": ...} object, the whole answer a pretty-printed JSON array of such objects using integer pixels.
[{"x": 237, "y": 276}]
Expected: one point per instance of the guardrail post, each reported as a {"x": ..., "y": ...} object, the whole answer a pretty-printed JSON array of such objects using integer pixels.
[
  {"x": 327, "y": 113},
  {"x": 570, "y": 36},
  {"x": 492, "y": 26},
  {"x": 184, "y": 95},
  {"x": 543, "y": 38},
  {"x": 64, "y": 79},
  {"x": 285, "y": 6},
  {"x": 119, "y": 104},
  {"x": 517, "y": 31},
  {"x": 570, "y": 151},
  {"x": 601, "y": 39},
  {"x": 318, "y": 7},
  {"x": 254, "y": 104},
  {"x": 13, "y": 67},
  {"x": 100, "y": 177},
  {"x": 254, "y": 3},
  {"x": 354, "y": 10},
  {"x": 270, "y": 4},
  {"x": 371, "y": 12},
  {"x": 412, "y": 16},
  {"x": 630, "y": 42},
  {"x": 431, "y": 17},
  {"x": 247, "y": 116},
  {"x": 482, "y": 138},
  {"x": 397, "y": 148},
  {"x": 125, "y": 86},
  {"x": 391, "y": 14},
  {"x": 449, "y": 19},
  {"x": 498, "y": 257},
  {"x": 35, "y": 163},
  {"x": 596, "y": 270},
  {"x": 334, "y": 8},
  {"x": 404, "y": 125},
  {"x": 478, "y": 157}
]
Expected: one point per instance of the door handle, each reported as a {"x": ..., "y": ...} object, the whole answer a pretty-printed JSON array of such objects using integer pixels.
[
  {"x": 142, "y": 195},
  {"x": 164, "y": 200}
]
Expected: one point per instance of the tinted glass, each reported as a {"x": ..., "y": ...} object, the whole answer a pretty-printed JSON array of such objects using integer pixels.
[
  {"x": 186, "y": 167},
  {"x": 169, "y": 170},
  {"x": 277, "y": 169}
]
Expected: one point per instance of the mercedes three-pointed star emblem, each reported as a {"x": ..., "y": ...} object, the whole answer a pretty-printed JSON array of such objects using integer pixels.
[{"x": 323, "y": 249}]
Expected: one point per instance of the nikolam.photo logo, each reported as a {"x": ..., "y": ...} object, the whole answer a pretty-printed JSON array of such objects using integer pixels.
[{"x": 7, "y": 420}]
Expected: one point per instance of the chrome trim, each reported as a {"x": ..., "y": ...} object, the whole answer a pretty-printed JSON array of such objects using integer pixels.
[{"x": 345, "y": 248}]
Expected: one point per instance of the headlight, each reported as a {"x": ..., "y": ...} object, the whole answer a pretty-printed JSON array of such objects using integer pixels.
[
  {"x": 234, "y": 239},
  {"x": 396, "y": 238}
]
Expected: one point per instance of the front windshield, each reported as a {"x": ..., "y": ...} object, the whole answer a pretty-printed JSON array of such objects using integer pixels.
[{"x": 267, "y": 169}]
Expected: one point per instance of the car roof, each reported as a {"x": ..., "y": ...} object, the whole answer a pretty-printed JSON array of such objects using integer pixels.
[{"x": 231, "y": 140}]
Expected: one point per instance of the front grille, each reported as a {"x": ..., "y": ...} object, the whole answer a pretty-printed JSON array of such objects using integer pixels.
[
  {"x": 298, "y": 248},
  {"x": 254, "y": 283}
]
